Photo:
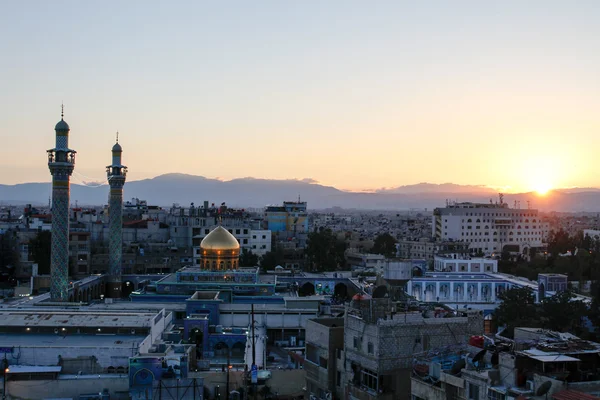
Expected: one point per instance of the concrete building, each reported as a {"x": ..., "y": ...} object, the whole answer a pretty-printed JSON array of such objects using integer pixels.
[
  {"x": 80, "y": 253},
  {"x": 379, "y": 344},
  {"x": 356, "y": 259},
  {"x": 490, "y": 228},
  {"x": 427, "y": 248},
  {"x": 292, "y": 216},
  {"x": 323, "y": 362},
  {"x": 465, "y": 265},
  {"x": 537, "y": 364}
]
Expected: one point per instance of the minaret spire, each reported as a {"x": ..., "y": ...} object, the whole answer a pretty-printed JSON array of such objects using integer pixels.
[
  {"x": 62, "y": 111},
  {"x": 115, "y": 173},
  {"x": 61, "y": 162}
]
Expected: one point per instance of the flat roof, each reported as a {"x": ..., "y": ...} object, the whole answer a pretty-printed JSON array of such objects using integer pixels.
[
  {"x": 76, "y": 319},
  {"x": 70, "y": 340},
  {"x": 32, "y": 369}
]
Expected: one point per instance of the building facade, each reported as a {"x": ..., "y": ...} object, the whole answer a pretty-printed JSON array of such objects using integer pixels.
[{"x": 490, "y": 228}]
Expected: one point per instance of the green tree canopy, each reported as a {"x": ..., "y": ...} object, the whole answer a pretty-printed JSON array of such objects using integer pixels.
[
  {"x": 324, "y": 251},
  {"x": 9, "y": 256},
  {"x": 40, "y": 247},
  {"x": 385, "y": 244},
  {"x": 271, "y": 259},
  {"x": 248, "y": 258},
  {"x": 561, "y": 312},
  {"x": 517, "y": 308},
  {"x": 560, "y": 242}
]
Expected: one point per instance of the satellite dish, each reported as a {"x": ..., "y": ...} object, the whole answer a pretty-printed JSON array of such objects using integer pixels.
[
  {"x": 479, "y": 356},
  {"x": 458, "y": 366},
  {"x": 543, "y": 388}
]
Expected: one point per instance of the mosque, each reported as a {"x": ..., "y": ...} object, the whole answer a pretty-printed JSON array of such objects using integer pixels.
[{"x": 202, "y": 316}]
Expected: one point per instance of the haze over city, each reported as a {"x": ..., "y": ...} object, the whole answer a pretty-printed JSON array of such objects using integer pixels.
[{"x": 345, "y": 93}]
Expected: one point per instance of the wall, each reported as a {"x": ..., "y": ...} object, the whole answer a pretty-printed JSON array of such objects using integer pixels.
[
  {"x": 284, "y": 382},
  {"x": 104, "y": 356},
  {"x": 69, "y": 387},
  {"x": 424, "y": 390}
]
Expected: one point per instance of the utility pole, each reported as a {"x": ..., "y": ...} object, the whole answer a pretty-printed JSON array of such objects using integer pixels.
[
  {"x": 228, "y": 368},
  {"x": 254, "y": 384},
  {"x": 4, "y": 373}
]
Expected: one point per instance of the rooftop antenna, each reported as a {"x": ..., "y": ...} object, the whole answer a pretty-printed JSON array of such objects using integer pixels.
[
  {"x": 515, "y": 204},
  {"x": 528, "y": 204},
  {"x": 501, "y": 196}
]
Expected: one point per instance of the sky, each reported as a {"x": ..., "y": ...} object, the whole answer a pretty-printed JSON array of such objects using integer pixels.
[{"x": 353, "y": 94}]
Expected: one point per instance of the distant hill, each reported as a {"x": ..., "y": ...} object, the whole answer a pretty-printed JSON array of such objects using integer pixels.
[{"x": 164, "y": 190}]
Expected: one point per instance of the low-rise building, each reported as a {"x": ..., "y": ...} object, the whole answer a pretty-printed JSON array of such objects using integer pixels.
[
  {"x": 379, "y": 344},
  {"x": 536, "y": 364},
  {"x": 323, "y": 362}
]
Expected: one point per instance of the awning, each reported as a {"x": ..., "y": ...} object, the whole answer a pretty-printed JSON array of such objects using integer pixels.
[{"x": 555, "y": 358}]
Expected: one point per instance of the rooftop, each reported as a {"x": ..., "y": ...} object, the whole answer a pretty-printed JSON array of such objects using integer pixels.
[
  {"x": 75, "y": 319},
  {"x": 50, "y": 340}
]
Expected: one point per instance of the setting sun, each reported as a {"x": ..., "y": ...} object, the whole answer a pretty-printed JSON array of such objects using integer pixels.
[{"x": 542, "y": 188}]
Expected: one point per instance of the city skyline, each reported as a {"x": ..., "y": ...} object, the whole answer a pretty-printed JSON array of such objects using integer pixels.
[{"x": 349, "y": 95}]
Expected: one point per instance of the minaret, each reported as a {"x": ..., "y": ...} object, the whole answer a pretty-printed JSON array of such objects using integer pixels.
[
  {"x": 61, "y": 161},
  {"x": 116, "y": 180}
]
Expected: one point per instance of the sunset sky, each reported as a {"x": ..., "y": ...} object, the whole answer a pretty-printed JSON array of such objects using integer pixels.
[{"x": 353, "y": 94}]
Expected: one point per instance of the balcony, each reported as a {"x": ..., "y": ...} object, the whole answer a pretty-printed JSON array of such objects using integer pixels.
[{"x": 364, "y": 393}]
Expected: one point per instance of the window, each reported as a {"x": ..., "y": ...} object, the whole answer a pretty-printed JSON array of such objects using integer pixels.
[
  {"x": 494, "y": 395},
  {"x": 473, "y": 393},
  {"x": 355, "y": 342},
  {"x": 369, "y": 379},
  {"x": 370, "y": 348},
  {"x": 338, "y": 378}
]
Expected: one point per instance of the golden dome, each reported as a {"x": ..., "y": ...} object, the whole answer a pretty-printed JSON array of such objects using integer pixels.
[{"x": 219, "y": 239}]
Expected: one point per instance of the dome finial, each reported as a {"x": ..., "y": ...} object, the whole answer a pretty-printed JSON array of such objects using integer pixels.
[
  {"x": 62, "y": 110},
  {"x": 117, "y": 136}
]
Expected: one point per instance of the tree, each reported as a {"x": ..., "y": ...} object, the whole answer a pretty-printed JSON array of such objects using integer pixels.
[
  {"x": 385, "y": 244},
  {"x": 324, "y": 251},
  {"x": 271, "y": 259},
  {"x": 517, "y": 309},
  {"x": 9, "y": 256},
  {"x": 562, "y": 313},
  {"x": 248, "y": 259},
  {"x": 40, "y": 247},
  {"x": 559, "y": 242}
]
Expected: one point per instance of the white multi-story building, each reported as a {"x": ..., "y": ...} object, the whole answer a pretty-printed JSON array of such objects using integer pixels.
[{"x": 490, "y": 228}]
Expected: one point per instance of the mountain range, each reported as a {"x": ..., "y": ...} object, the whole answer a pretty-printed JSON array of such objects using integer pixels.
[{"x": 164, "y": 190}]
